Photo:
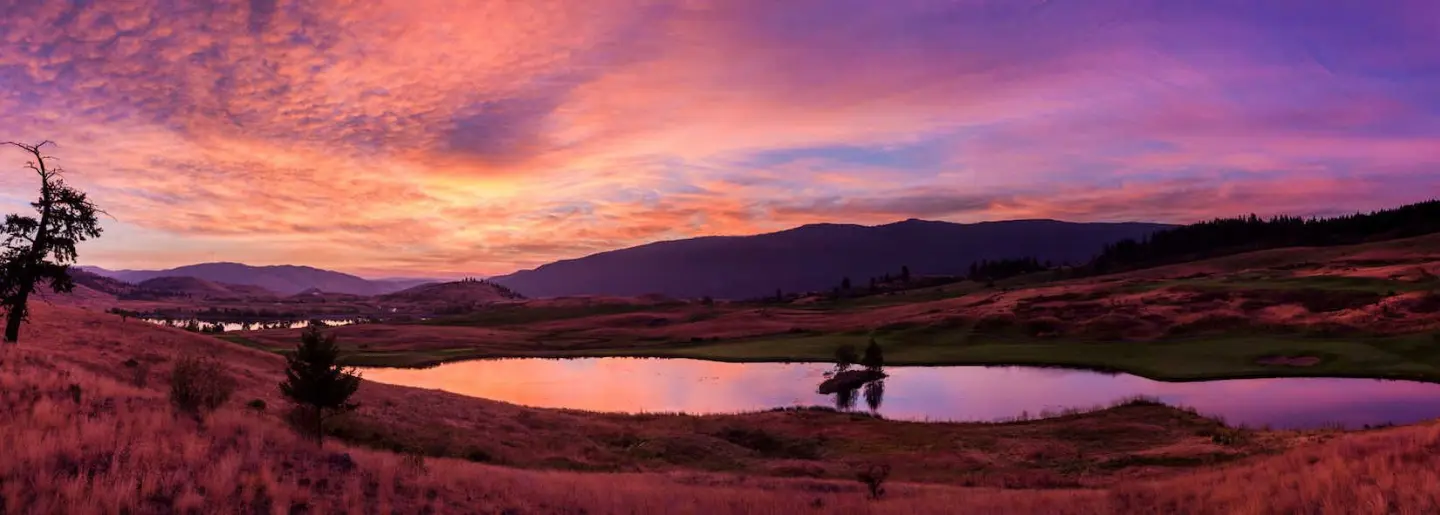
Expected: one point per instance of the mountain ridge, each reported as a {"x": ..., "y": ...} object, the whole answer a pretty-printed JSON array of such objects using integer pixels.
[
  {"x": 281, "y": 279},
  {"x": 814, "y": 257}
]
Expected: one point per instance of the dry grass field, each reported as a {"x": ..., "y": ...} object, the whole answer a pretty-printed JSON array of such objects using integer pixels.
[{"x": 84, "y": 434}]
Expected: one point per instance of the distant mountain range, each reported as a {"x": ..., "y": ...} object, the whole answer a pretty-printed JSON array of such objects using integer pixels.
[
  {"x": 815, "y": 257},
  {"x": 807, "y": 258},
  {"x": 284, "y": 279}
]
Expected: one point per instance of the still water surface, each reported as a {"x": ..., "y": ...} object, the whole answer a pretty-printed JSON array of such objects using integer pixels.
[
  {"x": 254, "y": 326},
  {"x": 963, "y": 393}
]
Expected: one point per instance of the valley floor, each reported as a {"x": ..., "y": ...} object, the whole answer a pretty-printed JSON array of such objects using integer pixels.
[
  {"x": 86, "y": 432},
  {"x": 1368, "y": 310}
]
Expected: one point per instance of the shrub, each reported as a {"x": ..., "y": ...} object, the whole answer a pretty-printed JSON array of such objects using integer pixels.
[
  {"x": 772, "y": 445},
  {"x": 75, "y": 393},
  {"x": 139, "y": 372},
  {"x": 1041, "y": 326},
  {"x": 414, "y": 461},
  {"x": 199, "y": 385},
  {"x": 874, "y": 477},
  {"x": 257, "y": 405},
  {"x": 1229, "y": 437},
  {"x": 478, "y": 455}
]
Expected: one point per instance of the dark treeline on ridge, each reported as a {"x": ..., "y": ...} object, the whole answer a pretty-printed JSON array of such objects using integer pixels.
[
  {"x": 1226, "y": 236},
  {"x": 994, "y": 270}
]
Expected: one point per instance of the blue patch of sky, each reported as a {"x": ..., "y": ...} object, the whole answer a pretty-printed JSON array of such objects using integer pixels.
[{"x": 917, "y": 156}]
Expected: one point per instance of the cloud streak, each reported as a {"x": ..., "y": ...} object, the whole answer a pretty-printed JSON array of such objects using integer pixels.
[{"x": 430, "y": 136}]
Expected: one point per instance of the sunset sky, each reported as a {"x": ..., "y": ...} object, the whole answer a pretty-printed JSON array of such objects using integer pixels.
[{"x": 437, "y": 137}]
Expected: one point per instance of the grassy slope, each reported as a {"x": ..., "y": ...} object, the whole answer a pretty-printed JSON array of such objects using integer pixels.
[
  {"x": 935, "y": 325},
  {"x": 119, "y": 449},
  {"x": 814, "y": 443}
]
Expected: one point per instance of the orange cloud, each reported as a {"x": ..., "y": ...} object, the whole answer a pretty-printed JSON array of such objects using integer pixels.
[{"x": 438, "y": 137}]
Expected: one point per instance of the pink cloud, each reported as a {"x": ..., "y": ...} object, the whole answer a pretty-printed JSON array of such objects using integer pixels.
[{"x": 427, "y": 135}]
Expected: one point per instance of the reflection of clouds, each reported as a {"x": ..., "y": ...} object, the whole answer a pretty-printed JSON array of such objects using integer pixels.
[{"x": 917, "y": 393}]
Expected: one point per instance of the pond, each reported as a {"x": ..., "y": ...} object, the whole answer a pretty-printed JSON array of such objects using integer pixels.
[
  {"x": 252, "y": 326},
  {"x": 956, "y": 393}
]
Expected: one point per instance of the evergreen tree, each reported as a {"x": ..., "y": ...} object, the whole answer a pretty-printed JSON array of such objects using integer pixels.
[
  {"x": 37, "y": 250},
  {"x": 845, "y": 284},
  {"x": 904, "y": 273},
  {"x": 316, "y": 382},
  {"x": 1226, "y": 236},
  {"x": 874, "y": 358}
]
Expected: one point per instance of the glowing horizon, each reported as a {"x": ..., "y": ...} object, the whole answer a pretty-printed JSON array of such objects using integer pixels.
[{"x": 446, "y": 138}]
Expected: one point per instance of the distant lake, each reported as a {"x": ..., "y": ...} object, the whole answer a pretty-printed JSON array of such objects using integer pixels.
[
  {"x": 253, "y": 326},
  {"x": 956, "y": 393}
]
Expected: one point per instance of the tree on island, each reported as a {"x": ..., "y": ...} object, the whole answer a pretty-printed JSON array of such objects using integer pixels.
[
  {"x": 315, "y": 381},
  {"x": 41, "y": 249},
  {"x": 845, "y": 356},
  {"x": 874, "y": 358}
]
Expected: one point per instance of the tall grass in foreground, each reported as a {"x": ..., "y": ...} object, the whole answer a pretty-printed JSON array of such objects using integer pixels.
[
  {"x": 121, "y": 448},
  {"x": 118, "y": 447}
]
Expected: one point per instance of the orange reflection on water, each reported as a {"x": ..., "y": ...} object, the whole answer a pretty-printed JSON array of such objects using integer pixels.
[{"x": 913, "y": 393}]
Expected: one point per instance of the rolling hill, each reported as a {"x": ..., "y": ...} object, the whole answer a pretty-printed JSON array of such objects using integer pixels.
[
  {"x": 283, "y": 279},
  {"x": 815, "y": 257},
  {"x": 193, "y": 286},
  {"x": 454, "y": 295}
]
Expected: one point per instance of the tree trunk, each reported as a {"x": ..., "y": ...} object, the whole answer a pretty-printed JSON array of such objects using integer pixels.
[
  {"x": 319, "y": 427},
  {"x": 16, "y": 314}
]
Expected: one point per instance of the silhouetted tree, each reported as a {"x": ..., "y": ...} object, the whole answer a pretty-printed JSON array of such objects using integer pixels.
[
  {"x": 315, "y": 381},
  {"x": 987, "y": 270},
  {"x": 845, "y": 284},
  {"x": 874, "y": 358},
  {"x": 42, "y": 249},
  {"x": 1225, "y": 236},
  {"x": 905, "y": 273},
  {"x": 845, "y": 356}
]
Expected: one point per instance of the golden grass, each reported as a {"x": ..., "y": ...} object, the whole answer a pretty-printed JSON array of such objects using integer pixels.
[
  {"x": 1092, "y": 449},
  {"x": 121, "y": 449}
]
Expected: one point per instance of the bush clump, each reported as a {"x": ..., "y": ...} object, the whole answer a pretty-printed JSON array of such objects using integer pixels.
[
  {"x": 772, "y": 445},
  {"x": 874, "y": 477},
  {"x": 199, "y": 385}
]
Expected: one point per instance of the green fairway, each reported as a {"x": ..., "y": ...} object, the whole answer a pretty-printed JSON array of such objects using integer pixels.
[
  {"x": 1200, "y": 358},
  {"x": 1178, "y": 359}
]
